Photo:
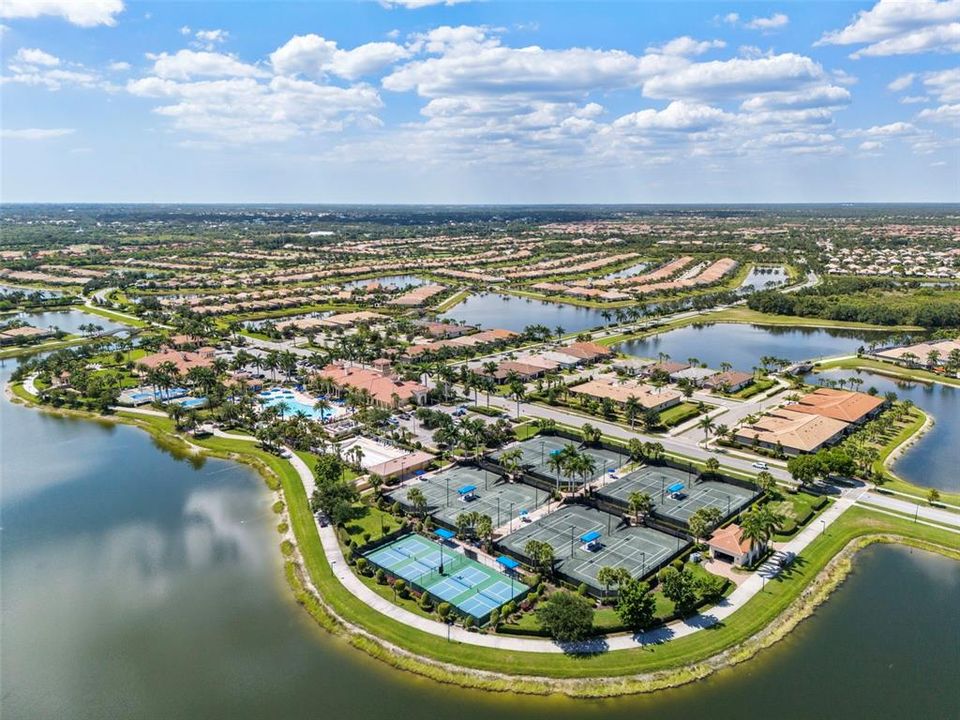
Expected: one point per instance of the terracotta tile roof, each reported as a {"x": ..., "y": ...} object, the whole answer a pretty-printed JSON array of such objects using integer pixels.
[
  {"x": 845, "y": 405},
  {"x": 798, "y": 431},
  {"x": 730, "y": 540}
]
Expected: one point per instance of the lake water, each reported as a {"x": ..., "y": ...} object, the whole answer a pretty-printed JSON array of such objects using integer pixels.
[
  {"x": 510, "y": 312},
  {"x": 935, "y": 459},
  {"x": 395, "y": 280},
  {"x": 744, "y": 345},
  {"x": 139, "y": 584},
  {"x": 627, "y": 271},
  {"x": 70, "y": 320},
  {"x": 29, "y": 291}
]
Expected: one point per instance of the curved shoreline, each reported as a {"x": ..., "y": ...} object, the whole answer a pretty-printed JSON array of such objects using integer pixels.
[{"x": 308, "y": 595}]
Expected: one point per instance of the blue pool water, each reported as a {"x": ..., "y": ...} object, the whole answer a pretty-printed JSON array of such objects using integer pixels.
[{"x": 271, "y": 398}]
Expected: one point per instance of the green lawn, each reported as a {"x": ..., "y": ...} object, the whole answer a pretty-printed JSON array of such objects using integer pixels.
[
  {"x": 883, "y": 368},
  {"x": 370, "y": 520},
  {"x": 678, "y": 414}
]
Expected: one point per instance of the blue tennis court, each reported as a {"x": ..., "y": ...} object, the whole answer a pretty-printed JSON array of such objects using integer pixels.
[{"x": 473, "y": 588}]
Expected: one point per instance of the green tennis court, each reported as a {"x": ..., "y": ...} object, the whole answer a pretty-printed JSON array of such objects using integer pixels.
[{"x": 471, "y": 587}]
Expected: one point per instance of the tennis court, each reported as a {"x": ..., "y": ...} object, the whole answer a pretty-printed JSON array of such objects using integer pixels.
[
  {"x": 569, "y": 531},
  {"x": 491, "y": 495},
  {"x": 472, "y": 588},
  {"x": 661, "y": 484},
  {"x": 537, "y": 451}
]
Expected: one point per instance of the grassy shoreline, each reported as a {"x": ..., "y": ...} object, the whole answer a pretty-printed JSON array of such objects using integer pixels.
[{"x": 789, "y": 599}]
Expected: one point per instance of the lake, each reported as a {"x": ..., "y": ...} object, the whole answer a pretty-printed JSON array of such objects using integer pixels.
[
  {"x": 933, "y": 461},
  {"x": 744, "y": 345},
  {"x": 69, "y": 320},
  {"x": 510, "y": 312},
  {"x": 137, "y": 583}
]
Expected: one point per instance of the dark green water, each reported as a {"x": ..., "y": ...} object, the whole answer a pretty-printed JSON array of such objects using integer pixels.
[{"x": 134, "y": 584}]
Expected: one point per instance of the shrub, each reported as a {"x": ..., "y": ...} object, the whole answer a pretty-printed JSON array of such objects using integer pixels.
[
  {"x": 366, "y": 538},
  {"x": 468, "y": 622},
  {"x": 582, "y": 589},
  {"x": 820, "y": 502},
  {"x": 278, "y": 507},
  {"x": 425, "y": 602},
  {"x": 443, "y": 610},
  {"x": 286, "y": 547},
  {"x": 401, "y": 587},
  {"x": 509, "y": 609},
  {"x": 362, "y": 566},
  {"x": 494, "y": 617},
  {"x": 283, "y": 528},
  {"x": 381, "y": 577},
  {"x": 396, "y": 509}
]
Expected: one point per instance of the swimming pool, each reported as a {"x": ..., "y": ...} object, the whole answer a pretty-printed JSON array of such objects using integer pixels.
[
  {"x": 149, "y": 396},
  {"x": 298, "y": 402}
]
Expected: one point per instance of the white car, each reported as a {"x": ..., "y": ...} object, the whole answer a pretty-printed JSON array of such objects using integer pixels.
[{"x": 760, "y": 465}]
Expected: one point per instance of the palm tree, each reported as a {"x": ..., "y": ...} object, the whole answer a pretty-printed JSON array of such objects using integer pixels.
[
  {"x": 707, "y": 425},
  {"x": 640, "y": 504}
]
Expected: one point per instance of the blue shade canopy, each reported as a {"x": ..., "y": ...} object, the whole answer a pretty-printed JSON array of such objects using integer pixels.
[
  {"x": 467, "y": 489},
  {"x": 444, "y": 533},
  {"x": 675, "y": 488},
  {"x": 508, "y": 562},
  {"x": 590, "y": 537}
]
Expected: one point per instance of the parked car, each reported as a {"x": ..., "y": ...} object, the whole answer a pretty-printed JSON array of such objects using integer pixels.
[{"x": 761, "y": 465}]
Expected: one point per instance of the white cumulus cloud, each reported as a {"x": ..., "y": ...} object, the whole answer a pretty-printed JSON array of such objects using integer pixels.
[
  {"x": 316, "y": 56},
  {"x": 186, "y": 64},
  {"x": 895, "y": 27},
  {"x": 85, "y": 13},
  {"x": 34, "y": 56},
  {"x": 774, "y": 22}
]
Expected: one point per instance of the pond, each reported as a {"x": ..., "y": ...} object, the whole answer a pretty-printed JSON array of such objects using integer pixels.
[
  {"x": 138, "y": 583},
  {"x": 395, "y": 280},
  {"x": 29, "y": 291},
  {"x": 627, "y": 271},
  {"x": 934, "y": 459},
  {"x": 70, "y": 320},
  {"x": 509, "y": 312},
  {"x": 744, "y": 345}
]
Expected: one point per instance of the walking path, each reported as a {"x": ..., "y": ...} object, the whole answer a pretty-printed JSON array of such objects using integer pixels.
[{"x": 677, "y": 629}]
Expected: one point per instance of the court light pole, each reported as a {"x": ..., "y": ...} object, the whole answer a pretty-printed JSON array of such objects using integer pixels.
[
  {"x": 643, "y": 563},
  {"x": 498, "y": 511}
]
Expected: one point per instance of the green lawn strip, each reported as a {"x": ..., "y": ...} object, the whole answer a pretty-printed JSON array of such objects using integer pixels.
[
  {"x": 453, "y": 301},
  {"x": 525, "y": 431},
  {"x": 909, "y": 516},
  {"x": 109, "y": 315},
  {"x": 888, "y": 369},
  {"x": 22, "y": 350}
]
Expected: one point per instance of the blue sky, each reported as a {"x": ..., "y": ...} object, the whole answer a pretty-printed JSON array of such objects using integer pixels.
[{"x": 479, "y": 102}]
